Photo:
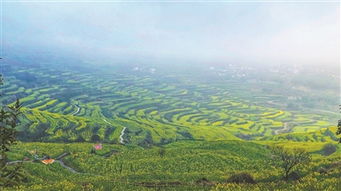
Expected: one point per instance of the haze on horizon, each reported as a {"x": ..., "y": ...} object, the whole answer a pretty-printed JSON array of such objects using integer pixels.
[{"x": 256, "y": 33}]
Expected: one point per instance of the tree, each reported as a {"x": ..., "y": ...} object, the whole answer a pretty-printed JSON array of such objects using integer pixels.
[
  {"x": 162, "y": 152},
  {"x": 95, "y": 138},
  {"x": 289, "y": 160},
  {"x": 9, "y": 174},
  {"x": 338, "y": 132}
]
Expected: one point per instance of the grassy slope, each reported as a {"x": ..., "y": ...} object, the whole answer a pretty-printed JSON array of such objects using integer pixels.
[{"x": 184, "y": 162}]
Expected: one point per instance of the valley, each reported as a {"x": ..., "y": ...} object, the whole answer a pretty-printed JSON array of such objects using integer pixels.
[
  {"x": 159, "y": 131},
  {"x": 148, "y": 108}
]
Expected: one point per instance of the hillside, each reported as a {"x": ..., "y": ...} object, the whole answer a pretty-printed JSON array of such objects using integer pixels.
[
  {"x": 141, "y": 95},
  {"x": 184, "y": 165},
  {"x": 146, "y": 108},
  {"x": 160, "y": 131}
]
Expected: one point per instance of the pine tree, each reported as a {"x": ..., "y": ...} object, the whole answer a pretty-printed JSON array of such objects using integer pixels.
[
  {"x": 338, "y": 132},
  {"x": 10, "y": 174}
]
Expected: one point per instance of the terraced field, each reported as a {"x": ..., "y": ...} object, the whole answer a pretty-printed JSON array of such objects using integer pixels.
[{"x": 135, "y": 107}]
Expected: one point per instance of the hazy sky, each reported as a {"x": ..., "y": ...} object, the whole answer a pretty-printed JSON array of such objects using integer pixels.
[{"x": 295, "y": 33}]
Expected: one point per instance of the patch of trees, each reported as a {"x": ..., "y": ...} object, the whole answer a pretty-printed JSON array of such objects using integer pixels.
[
  {"x": 38, "y": 135},
  {"x": 329, "y": 149},
  {"x": 164, "y": 141},
  {"x": 244, "y": 136},
  {"x": 329, "y": 133},
  {"x": 147, "y": 141},
  {"x": 186, "y": 134}
]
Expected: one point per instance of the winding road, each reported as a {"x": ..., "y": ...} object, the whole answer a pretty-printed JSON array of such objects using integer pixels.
[
  {"x": 78, "y": 108},
  {"x": 122, "y": 134},
  {"x": 58, "y": 159}
]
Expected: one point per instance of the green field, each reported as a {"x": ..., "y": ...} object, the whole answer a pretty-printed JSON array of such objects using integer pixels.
[
  {"x": 64, "y": 105},
  {"x": 181, "y": 167},
  {"x": 160, "y": 131}
]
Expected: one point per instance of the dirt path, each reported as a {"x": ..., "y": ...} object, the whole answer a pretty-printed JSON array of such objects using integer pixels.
[
  {"x": 18, "y": 161},
  {"x": 105, "y": 120},
  {"x": 122, "y": 134},
  {"x": 58, "y": 160},
  {"x": 286, "y": 128},
  {"x": 76, "y": 112},
  {"x": 67, "y": 167}
]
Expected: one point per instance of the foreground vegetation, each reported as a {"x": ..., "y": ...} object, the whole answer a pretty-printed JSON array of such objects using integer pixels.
[{"x": 183, "y": 165}]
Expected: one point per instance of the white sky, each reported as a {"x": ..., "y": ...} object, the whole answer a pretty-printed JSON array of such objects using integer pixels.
[{"x": 285, "y": 33}]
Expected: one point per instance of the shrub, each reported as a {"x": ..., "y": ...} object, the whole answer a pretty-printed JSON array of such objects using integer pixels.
[
  {"x": 241, "y": 178},
  {"x": 294, "y": 176},
  {"x": 336, "y": 164},
  {"x": 162, "y": 152},
  {"x": 203, "y": 181},
  {"x": 95, "y": 138},
  {"x": 322, "y": 170},
  {"x": 328, "y": 149}
]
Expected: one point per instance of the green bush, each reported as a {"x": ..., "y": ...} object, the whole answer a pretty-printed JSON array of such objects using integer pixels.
[
  {"x": 329, "y": 149},
  {"x": 294, "y": 176},
  {"x": 241, "y": 178}
]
